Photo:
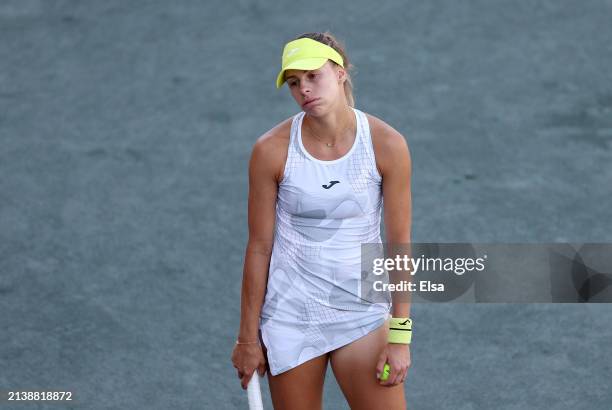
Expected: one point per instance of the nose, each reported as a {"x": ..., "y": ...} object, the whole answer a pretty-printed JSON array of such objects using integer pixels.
[{"x": 304, "y": 88}]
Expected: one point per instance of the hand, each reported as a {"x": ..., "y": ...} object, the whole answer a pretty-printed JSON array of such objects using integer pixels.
[
  {"x": 246, "y": 359},
  {"x": 398, "y": 357}
]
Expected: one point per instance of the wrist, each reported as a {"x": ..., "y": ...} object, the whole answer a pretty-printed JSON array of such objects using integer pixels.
[
  {"x": 247, "y": 337},
  {"x": 400, "y": 330}
]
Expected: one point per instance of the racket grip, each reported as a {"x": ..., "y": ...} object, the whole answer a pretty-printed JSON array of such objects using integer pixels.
[{"x": 254, "y": 393}]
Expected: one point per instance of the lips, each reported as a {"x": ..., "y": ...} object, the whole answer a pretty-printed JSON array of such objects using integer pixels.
[{"x": 309, "y": 102}]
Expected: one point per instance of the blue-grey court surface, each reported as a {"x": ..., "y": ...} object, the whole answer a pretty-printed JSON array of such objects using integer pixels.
[{"x": 125, "y": 133}]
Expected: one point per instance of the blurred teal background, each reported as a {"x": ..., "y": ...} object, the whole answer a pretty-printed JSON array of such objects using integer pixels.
[{"x": 125, "y": 134}]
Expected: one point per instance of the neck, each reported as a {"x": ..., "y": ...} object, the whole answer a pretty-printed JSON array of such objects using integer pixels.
[{"x": 333, "y": 126}]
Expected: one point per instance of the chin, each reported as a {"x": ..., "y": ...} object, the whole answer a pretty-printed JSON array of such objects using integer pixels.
[{"x": 315, "y": 108}]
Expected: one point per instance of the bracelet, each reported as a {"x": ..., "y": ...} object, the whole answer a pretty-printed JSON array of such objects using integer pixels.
[
  {"x": 400, "y": 330},
  {"x": 245, "y": 343}
]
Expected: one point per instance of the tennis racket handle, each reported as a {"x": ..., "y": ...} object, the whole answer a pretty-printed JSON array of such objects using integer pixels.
[{"x": 254, "y": 393}]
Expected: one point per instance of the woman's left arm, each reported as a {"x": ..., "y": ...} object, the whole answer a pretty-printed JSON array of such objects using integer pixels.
[{"x": 396, "y": 169}]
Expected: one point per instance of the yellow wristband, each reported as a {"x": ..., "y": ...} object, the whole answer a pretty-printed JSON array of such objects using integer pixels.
[{"x": 400, "y": 330}]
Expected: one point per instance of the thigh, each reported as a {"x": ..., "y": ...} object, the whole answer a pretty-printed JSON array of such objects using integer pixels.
[
  {"x": 354, "y": 367},
  {"x": 300, "y": 387}
]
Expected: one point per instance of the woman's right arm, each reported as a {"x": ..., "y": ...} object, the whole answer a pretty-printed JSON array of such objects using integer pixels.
[
  {"x": 264, "y": 175},
  {"x": 263, "y": 188}
]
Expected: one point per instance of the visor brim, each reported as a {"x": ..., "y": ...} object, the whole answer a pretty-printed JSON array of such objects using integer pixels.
[{"x": 302, "y": 64}]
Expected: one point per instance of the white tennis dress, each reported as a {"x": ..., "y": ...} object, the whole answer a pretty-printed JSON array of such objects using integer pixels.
[{"x": 325, "y": 210}]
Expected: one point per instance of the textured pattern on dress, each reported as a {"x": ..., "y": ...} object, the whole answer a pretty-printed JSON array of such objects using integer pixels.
[{"x": 313, "y": 301}]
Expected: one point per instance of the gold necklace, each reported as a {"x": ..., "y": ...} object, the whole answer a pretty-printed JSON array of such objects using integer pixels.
[{"x": 329, "y": 145}]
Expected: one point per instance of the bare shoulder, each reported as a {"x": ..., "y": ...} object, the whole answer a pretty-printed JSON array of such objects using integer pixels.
[
  {"x": 389, "y": 144},
  {"x": 270, "y": 149}
]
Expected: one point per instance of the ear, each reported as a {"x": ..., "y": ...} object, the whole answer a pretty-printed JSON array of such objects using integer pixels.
[{"x": 341, "y": 73}]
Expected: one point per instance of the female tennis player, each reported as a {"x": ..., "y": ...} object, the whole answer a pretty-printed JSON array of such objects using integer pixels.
[{"x": 316, "y": 186}]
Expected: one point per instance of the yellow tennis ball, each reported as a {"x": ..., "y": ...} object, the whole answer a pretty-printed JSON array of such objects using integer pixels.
[{"x": 385, "y": 374}]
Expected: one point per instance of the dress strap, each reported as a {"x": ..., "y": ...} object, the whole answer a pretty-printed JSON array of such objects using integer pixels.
[{"x": 295, "y": 158}]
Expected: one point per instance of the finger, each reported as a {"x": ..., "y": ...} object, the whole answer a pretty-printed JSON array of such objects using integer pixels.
[
  {"x": 397, "y": 378},
  {"x": 400, "y": 376},
  {"x": 247, "y": 378},
  {"x": 241, "y": 375},
  {"x": 262, "y": 370},
  {"x": 382, "y": 359}
]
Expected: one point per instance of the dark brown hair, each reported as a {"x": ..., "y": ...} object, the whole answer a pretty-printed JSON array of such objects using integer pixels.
[{"x": 329, "y": 40}]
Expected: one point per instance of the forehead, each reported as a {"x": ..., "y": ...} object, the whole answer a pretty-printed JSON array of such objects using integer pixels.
[{"x": 299, "y": 73}]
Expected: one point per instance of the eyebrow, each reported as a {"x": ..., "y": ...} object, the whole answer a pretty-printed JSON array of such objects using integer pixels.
[{"x": 292, "y": 76}]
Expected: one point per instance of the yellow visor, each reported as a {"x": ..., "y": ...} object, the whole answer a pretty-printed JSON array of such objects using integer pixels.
[{"x": 306, "y": 54}]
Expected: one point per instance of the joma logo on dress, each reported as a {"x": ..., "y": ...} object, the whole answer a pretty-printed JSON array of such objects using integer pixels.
[{"x": 331, "y": 184}]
